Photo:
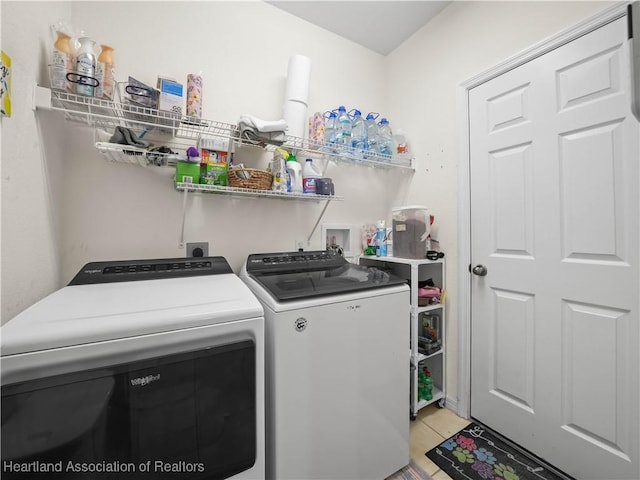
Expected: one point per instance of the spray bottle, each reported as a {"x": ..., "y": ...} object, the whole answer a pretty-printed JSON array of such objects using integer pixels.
[{"x": 86, "y": 67}]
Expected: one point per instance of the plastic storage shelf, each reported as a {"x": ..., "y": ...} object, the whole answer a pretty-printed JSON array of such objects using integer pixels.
[{"x": 415, "y": 271}]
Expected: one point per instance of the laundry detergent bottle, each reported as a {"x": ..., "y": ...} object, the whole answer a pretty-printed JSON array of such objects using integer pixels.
[
  {"x": 309, "y": 176},
  {"x": 294, "y": 171}
]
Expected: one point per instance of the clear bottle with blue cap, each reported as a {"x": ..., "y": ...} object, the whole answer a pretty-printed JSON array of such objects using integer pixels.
[
  {"x": 330, "y": 130},
  {"x": 372, "y": 133},
  {"x": 344, "y": 126},
  {"x": 385, "y": 138},
  {"x": 358, "y": 133}
]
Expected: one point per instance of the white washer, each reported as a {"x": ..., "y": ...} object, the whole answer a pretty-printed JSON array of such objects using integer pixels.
[
  {"x": 337, "y": 362},
  {"x": 148, "y": 364}
]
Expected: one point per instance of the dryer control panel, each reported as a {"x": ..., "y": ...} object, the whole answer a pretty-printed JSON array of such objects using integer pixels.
[{"x": 132, "y": 270}]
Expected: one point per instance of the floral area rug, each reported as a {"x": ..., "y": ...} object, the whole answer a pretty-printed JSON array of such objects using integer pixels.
[
  {"x": 475, "y": 454},
  {"x": 410, "y": 472}
]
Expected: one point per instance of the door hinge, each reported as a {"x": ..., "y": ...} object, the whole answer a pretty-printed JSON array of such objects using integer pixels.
[{"x": 633, "y": 20}]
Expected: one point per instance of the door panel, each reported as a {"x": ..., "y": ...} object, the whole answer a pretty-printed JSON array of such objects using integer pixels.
[
  {"x": 554, "y": 217},
  {"x": 512, "y": 361}
]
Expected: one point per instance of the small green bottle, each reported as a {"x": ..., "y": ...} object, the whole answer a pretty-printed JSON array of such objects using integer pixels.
[
  {"x": 428, "y": 385},
  {"x": 422, "y": 385}
]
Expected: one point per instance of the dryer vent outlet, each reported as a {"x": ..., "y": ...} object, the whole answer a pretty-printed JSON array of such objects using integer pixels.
[{"x": 197, "y": 249}]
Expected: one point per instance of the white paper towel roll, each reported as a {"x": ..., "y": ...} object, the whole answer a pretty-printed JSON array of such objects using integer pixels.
[
  {"x": 298, "y": 77},
  {"x": 295, "y": 114}
]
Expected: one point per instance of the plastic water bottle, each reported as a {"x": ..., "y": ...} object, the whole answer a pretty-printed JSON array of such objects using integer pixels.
[
  {"x": 358, "y": 133},
  {"x": 372, "y": 133},
  {"x": 330, "y": 130},
  {"x": 385, "y": 138},
  {"x": 343, "y": 125}
]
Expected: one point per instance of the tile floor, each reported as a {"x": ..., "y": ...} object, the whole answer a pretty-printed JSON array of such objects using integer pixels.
[{"x": 430, "y": 428}]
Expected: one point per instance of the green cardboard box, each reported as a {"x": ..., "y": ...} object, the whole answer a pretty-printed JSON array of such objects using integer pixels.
[{"x": 188, "y": 172}]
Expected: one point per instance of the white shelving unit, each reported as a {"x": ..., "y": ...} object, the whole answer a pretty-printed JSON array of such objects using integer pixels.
[{"x": 416, "y": 271}]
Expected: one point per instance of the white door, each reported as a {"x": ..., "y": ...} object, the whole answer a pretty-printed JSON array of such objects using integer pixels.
[{"x": 554, "y": 219}]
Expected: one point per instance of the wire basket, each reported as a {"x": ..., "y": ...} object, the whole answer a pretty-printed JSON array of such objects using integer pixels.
[{"x": 251, "y": 178}]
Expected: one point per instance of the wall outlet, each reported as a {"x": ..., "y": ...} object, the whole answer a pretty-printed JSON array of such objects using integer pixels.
[
  {"x": 300, "y": 245},
  {"x": 197, "y": 249}
]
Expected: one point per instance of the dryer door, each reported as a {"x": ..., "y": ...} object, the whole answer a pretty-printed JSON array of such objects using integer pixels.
[{"x": 188, "y": 415}]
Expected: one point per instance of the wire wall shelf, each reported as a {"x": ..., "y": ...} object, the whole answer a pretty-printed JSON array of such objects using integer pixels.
[
  {"x": 168, "y": 128},
  {"x": 250, "y": 192}
]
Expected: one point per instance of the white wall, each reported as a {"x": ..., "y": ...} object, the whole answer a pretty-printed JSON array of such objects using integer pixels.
[
  {"x": 31, "y": 163},
  {"x": 426, "y": 71},
  {"x": 62, "y": 205},
  {"x": 242, "y": 49},
  {"x": 119, "y": 211}
]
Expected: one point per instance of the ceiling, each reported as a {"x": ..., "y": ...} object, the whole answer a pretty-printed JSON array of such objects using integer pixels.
[{"x": 377, "y": 25}]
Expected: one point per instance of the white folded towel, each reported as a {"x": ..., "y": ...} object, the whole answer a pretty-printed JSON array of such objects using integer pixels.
[
  {"x": 263, "y": 125},
  {"x": 251, "y": 135}
]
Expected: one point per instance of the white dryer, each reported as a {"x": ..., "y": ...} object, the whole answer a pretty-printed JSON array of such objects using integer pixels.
[
  {"x": 137, "y": 369},
  {"x": 337, "y": 362}
]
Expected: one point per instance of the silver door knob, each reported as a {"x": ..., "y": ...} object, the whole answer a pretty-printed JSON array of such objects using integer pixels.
[{"x": 479, "y": 270}]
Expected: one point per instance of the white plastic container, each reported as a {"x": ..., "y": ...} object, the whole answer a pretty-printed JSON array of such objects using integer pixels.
[
  {"x": 411, "y": 230},
  {"x": 294, "y": 169},
  {"x": 309, "y": 175}
]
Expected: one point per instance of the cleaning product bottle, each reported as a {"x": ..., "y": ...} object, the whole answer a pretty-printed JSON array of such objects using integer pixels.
[
  {"x": 343, "y": 126},
  {"x": 309, "y": 176},
  {"x": 372, "y": 133},
  {"x": 86, "y": 67},
  {"x": 381, "y": 246},
  {"x": 385, "y": 138},
  {"x": 294, "y": 170},
  {"x": 358, "y": 133},
  {"x": 104, "y": 73},
  {"x": 61, "y": 61}
]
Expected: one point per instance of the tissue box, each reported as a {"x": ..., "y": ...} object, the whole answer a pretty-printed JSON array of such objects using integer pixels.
[{"x": 171, "y": 97}]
